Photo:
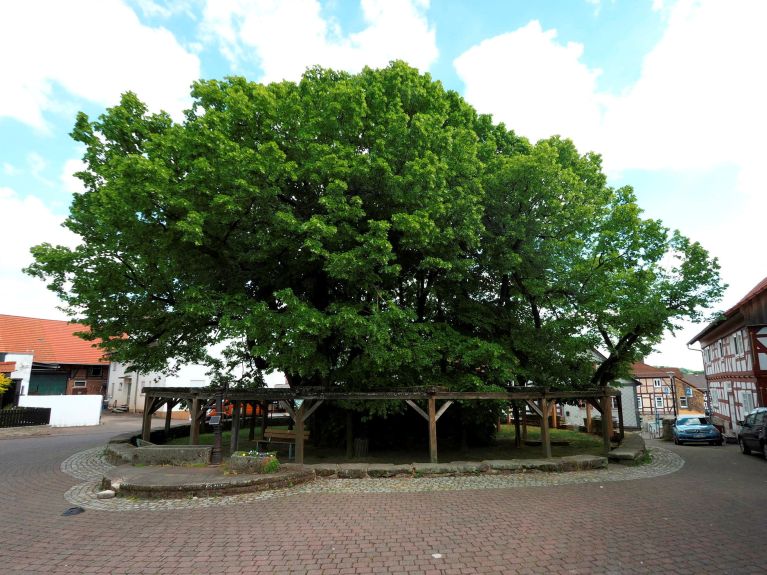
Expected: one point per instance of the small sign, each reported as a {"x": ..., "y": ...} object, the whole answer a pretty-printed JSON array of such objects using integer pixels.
[{"x": 215, "y": 420}]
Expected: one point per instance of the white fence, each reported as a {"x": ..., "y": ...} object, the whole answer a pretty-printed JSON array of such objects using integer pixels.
[{"x": 67, "y": 410}]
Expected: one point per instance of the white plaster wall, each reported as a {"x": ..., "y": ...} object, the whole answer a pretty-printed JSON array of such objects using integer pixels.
[
  {"x": 23, "y": 369},
  {"x": 67, "y": 410}
]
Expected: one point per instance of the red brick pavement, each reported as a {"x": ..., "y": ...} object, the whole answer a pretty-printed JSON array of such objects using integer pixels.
[{"x": 706, "y": 518}]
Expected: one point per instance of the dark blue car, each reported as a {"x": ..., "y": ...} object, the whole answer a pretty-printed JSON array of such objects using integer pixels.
[{"x": 695, "y": 429}]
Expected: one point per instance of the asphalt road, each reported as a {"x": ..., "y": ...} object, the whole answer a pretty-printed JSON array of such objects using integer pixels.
[{"x": 708, "y": 517}]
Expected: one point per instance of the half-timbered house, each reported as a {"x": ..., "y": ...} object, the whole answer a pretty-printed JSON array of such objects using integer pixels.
[
  {"x": 735, "y": 358},
  {"x": 666, "y": 392}
]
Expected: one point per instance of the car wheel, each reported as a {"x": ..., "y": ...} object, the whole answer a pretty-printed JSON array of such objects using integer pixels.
[
  {"x": 763, "y": 449},
  {"x": 720, "y": 443},
  {"x": 744, "y": 449},
  {"x": 676, "y": 441}
]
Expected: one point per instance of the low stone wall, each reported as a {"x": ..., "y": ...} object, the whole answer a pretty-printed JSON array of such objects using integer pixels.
[
  {"x": 172, "y": 454},
  {"x": 630, "y": 451},
  {"x": 122, "y": 449},
  {"x": 454, "y": 468}
]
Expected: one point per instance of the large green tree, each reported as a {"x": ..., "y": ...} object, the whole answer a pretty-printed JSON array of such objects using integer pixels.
[{"x": 362, "y": 231}]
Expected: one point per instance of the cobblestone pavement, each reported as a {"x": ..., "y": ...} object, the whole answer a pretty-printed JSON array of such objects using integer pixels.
[
  {"x": 707, "y": 517},
  {"x": 91, "y": 466}
]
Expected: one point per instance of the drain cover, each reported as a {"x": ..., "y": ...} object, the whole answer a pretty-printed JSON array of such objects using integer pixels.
[{"x": 74, "y": 511}]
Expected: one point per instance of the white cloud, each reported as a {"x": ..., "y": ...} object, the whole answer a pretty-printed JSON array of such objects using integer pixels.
[
  {"x": 534, "y": 84},
  {"x": 288, "y": 37},
  {"x": 93, "y": 50},
  {"x": 27, "y": 222},
  {"x": 69, "y": 182},
  {"x": 697, "y": 106},
  {"x": 9, "y": 169}
]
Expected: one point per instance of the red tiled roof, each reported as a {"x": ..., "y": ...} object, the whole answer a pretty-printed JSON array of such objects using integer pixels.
[
  {"x": 51, "y": 341},
  {"x": 758, "y": 289},
  {"x": 7, "y": 366},
  {"x": 641, "y": 369}
]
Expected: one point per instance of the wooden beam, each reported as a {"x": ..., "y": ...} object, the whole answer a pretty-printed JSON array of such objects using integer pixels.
[
  {"x": 252, "y": 430},
  {"x": 443, "y": 409},
  {"x": 588, "y": 417},
  {"x": 534, "y": 407},
  {"x": 146, "y": 421},
  {"x": 432, "y": 408},
  {"x": 312, "y": 409},
  {"x": 194, "y": 429},
  {"x": 289, "y": 408},
  {"x": 234, "y": 444},
  {"x": 299, "y": 419},
  {"x": 619, "y": 401},
  {"x": 418, "y": 410},
  {"x": 607, "y": 418},
  {"x": 168, "y": 415},
  {"x": 545, "y": 439},
  {"x": 517, "y": 426}
]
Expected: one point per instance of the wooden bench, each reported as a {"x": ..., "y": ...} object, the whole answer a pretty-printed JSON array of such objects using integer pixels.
[{"x": 285, "y": 436}]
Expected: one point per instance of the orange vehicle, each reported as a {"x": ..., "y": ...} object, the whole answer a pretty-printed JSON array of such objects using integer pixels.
[{"x": 229, "y": 408}]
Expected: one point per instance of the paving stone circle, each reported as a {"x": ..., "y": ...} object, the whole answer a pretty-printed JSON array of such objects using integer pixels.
[{"x": 90, "y": 466}]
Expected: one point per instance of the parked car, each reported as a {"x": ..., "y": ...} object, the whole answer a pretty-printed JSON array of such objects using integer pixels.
[
  {"x": 751, "y": 436},
  {"x": 695, "y": 429}
]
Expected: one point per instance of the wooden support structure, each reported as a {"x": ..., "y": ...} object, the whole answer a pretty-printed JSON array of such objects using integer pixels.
[
  {"x": 169, "y": 415},
  {"x": 588, "y": 417},
  {"x": 431, "y": 415},
  {"x": 607, "y": 419},
  {"x": 234, "y": 444},
  {"x": 252, "y": 431},
  {"x": 194, "y": 430},
  {"x": 540, "y": 400},
  {"x": 553, "y": 411},
  {"x": 545, "y": 439},
  {"x": 619, "y": 402}
]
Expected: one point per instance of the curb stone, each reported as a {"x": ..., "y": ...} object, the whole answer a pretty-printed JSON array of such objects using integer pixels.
[{"x": 90, "y": 466}]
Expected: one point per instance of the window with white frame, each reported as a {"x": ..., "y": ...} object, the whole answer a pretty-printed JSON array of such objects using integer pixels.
[
  {"x": 683, "y": 402},
  {"x": 639, "y": 401},
  {"x": 659, "y": 402},
  {"x": 721, "y": 348},
  {"x": 708, "y": 354},
  {"x": 688, "y": 391},
  {"x": 657, "y": 382},
  {"x": 739, "y": 348},
  {"x": 666, "y": 390},
  {"x": 79, "y": 384}
]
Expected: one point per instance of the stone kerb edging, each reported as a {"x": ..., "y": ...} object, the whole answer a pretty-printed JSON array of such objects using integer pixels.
[{"x": 457, "y": 468}]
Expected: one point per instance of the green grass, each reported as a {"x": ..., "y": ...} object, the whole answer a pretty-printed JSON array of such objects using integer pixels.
[{"x": 579, "y": 443}]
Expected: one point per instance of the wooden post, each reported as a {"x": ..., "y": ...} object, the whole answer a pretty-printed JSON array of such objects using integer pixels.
[
  {"x": 607, "y": 418},
  {"x": 252, "y": 432},
  {"x": 432, "y": 412},
  {"x": 194, "y": 429},
  {"x": 524, "y": 424},
  {"x": 168, "y": 414},
  {"x": 349, "y": 435},
  {"x": 545, "y": 440},
  {"x": 517, "y": 425},
  {"x": 619, "y": 401},
  {"x": 299, "y": 429},
  {"x": 264, "y": 419},
  {"x": 588, "y": 417},
  {"x": 235, "y": 440},
  {"x": 554, "y": 421},
  {"x": 146, "y": 424}
]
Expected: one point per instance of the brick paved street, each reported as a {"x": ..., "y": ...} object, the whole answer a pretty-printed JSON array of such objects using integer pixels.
[{"x": 708, "y": 517}]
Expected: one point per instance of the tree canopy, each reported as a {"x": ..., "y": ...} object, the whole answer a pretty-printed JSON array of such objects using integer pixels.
[{"x": 364, "y": 231}]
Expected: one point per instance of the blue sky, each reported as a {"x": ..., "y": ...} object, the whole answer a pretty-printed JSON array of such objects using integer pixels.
[{"x": 669, "y": 92}]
